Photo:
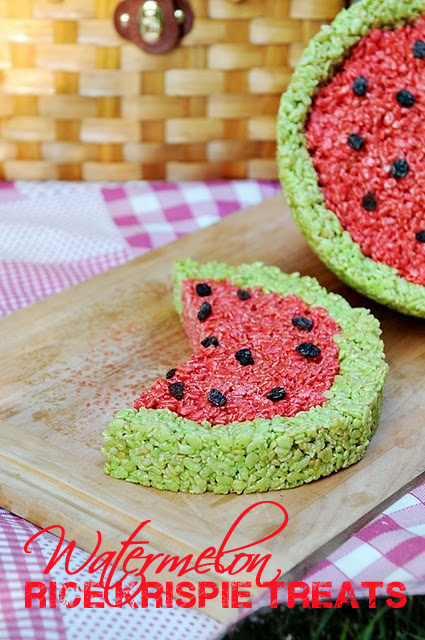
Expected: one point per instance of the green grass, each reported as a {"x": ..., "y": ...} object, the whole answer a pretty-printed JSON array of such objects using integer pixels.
[{"x": 382, "y": 623}]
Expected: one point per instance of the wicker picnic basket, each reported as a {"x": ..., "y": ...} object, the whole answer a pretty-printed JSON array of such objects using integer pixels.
[{"x": 79, "y": 102}]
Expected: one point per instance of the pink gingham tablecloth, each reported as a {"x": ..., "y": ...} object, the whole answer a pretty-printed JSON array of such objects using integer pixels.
[{"x": 54, "y": 235}]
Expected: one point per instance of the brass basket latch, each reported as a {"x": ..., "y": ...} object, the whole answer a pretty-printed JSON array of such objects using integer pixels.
[{"x": 156, "y": 26}]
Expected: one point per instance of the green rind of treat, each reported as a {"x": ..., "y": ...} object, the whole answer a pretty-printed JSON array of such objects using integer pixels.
[
  {"x": 298, "y": 176},
  {"x": 158, "y": 448}
]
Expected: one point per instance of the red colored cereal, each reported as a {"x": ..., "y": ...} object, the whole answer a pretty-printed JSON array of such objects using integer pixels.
[
  {"x": 376, "y": 190},
  {"x": 285, "y": 375}
]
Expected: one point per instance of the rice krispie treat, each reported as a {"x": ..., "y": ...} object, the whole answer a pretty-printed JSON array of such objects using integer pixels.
[
  {"x": 351, "y": 140},
  {"x": 284, "y": 386}
]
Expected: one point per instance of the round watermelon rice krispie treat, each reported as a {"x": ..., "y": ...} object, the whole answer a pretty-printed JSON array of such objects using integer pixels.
[
  {"x": 284, "y": 385},
  {"x": 351, "y": 149}
]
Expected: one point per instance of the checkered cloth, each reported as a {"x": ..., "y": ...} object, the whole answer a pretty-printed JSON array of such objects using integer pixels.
[{"x": 54, "y": 235}]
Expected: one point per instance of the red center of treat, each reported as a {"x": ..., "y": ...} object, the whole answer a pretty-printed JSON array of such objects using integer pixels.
[
  {"x": 366, "y": 133},
  {"x": 255, "y": 355}
]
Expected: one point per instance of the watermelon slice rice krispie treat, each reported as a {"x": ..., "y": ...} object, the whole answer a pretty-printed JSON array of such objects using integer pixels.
[
  {"x": 351, "y": 146},
  {"x": 284, "y": 385}
]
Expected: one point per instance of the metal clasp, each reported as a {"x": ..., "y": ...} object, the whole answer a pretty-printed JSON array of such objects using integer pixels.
[
  {"x": 156, "y": 26},
  {"x": 151, "y": 21}
]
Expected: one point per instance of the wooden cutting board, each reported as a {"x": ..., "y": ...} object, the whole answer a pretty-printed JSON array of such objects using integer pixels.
[{"x": 70, "y": 361}]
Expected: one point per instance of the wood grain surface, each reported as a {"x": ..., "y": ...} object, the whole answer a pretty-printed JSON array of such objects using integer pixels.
[{"x": 69, "y": 362}]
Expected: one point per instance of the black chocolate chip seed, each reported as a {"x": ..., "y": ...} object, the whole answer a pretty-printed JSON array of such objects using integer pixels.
[
  {"x": 170, "y": 373},
  {"x": 204, "y": 311},
  {"x": 405, "y": 98},
  {"x": 420, "y": 236},
  {"x": 203, "y": 289},
  {"x": 400, "y": 168},
  {"x": 177, "y": 390},
  {"x": 356, "y": 142},
  {"x": 217, "y": 398},
  {"x": 419, "y": 49},
  {"x": 303, "y": 323},
  {"x": 276, "y": 394},
  {"x": 369, "y": 202},
  {"x": 243, "y": 294},
  {"x": 210, "y": 340},
  {"x": 308, "y": 350},
  {"x": 244, "y": 356},
  {"x": 360, "y": 86}
]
